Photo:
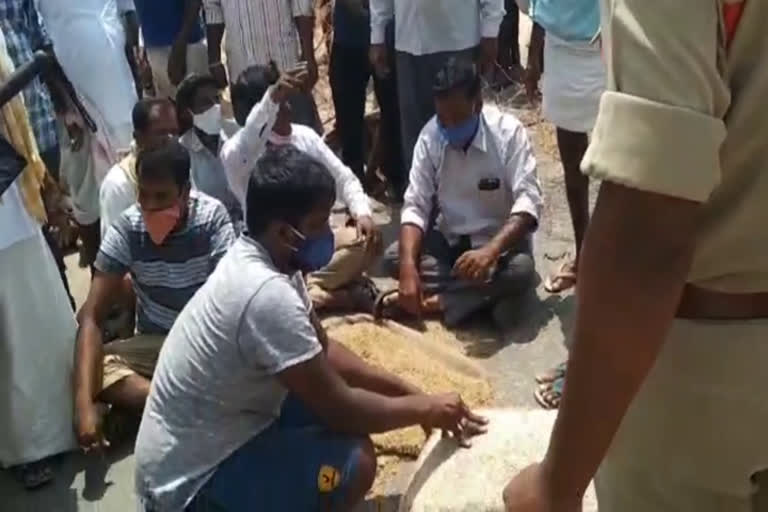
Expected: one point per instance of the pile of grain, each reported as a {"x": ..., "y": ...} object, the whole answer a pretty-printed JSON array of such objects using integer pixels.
[{"x": 416, "y": 361}]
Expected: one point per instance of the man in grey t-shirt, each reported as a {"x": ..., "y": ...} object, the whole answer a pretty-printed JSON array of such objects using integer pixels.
[{"x": 252, "y": 407}]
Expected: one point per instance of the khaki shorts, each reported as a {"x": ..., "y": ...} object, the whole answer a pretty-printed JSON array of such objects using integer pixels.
[{"x": 133, "y": 356}]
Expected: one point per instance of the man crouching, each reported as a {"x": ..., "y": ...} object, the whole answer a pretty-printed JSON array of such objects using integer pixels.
[{"x": 252, "y": 407}]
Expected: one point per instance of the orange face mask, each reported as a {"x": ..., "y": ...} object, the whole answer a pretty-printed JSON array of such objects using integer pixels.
[{"x": 161, "y": 222}]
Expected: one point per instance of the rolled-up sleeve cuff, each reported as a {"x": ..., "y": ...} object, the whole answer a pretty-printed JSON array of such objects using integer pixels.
[
  {"x": 214, "y": 15},
  {"x": 411, "y": 215},
  {"x": 525, "y": 204},
  {"x": 378, "y": 34},
  {"x": 655, "y": 147},
  {"x": 361, "y": 209},
  {"x": 489, "y": 27}
]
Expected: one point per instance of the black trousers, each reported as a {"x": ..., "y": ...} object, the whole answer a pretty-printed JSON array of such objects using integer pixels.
[
  {"x": 350, "y": 72},
  {"x": 509, "y": 36}
]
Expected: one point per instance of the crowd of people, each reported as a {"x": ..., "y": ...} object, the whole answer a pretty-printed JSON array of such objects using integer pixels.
[{"x": 215, "y": 246}]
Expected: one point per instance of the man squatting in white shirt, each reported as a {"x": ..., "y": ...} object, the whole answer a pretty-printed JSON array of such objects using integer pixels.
[{"x": 472, "y": 205}]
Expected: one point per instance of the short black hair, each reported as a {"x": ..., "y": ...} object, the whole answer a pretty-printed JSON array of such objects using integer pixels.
[
  {"x": 142, "y": 111},
  {"x": 286, "y": 185},
  {"x": 457, "y": 74},
  {"x": 185, "y": 94},
  {"x": 250, "y": 87},
  {"x": 168, "y": 160}
]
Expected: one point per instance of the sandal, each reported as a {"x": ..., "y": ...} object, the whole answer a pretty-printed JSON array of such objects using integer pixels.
[
  {"x": 564, "y": 279},
  {"x": 552, "y": 375},
  {"x": 34, "y": 474},
  {"x": 548, "y": 396},
  {"x": 383, "y": 308},
  {"x": 363, "y": 295}
]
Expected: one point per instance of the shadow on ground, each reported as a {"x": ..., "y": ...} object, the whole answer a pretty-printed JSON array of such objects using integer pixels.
[{"x": 81, "y": 482}]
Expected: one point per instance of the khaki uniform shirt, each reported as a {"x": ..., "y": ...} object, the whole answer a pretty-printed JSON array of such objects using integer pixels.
[{"x": 685, "y": 116}]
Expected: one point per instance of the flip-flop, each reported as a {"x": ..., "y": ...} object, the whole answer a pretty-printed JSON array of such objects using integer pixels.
[
  {"x": 553, "y": 374},
  {"x": 34, "y": 474},
  {"x": 564, "y": 279},
  {"x": 548, "y": 396}
]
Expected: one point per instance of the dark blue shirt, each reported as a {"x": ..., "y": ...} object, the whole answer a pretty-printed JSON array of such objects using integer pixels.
[
  {"x": 161, "y": 21},
  {"x": 351, "y": 27}
]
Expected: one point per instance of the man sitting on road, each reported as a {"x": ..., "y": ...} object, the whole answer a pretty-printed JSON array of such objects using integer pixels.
[
  {"x": 252, "y": 406},
  {"x": 476, "y": 165},
  {"x": 154, "y": 121},
  {"x": 169, "y": 243},
  {"x": 261, "y": 103}
]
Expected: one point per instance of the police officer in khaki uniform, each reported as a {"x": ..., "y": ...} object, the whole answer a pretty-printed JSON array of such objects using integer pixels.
[{"x": 667, "y": 382}]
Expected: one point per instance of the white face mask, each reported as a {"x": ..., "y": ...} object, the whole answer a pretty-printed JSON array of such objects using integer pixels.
[{"x": 209, "y": 121}]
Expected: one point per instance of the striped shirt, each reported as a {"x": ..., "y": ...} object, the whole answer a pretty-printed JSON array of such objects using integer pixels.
[
  {"x": 24, "y": 33},
  {"x": 258, "y": 32},
  {"x": 165, "y": 277}
]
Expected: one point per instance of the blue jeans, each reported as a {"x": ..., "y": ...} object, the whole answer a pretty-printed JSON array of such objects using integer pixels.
[{"x": 296, "y": 464}]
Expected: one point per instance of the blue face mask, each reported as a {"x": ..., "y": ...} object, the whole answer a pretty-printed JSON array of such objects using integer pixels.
[
  {"x": 314, "y": 253},
  {"x": 461, "y": 135}
]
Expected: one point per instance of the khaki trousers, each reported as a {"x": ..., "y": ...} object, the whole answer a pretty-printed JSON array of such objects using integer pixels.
[
  {"x": 350, "y": 260},
  {"x": 694, "y": 439}
]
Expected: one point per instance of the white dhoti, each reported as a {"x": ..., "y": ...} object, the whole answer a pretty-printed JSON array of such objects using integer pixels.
[
  {"x": 572, "y": 83},
  {"x": 37, "y": 343}
]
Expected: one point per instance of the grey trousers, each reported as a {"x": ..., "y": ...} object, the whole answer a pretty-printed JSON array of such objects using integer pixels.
[
  {"x": 415, "y": 78},
  {"x": 513, "y": 276}
]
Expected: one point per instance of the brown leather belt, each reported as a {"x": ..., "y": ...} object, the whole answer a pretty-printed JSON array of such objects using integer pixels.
[{"x": 700, "y": 304}]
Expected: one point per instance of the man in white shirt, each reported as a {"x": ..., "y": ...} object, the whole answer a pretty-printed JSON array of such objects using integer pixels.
[
  {"x": 258, "y": 33},
  {"x": 427, "y": 33},
  {"x": 261, "y": 103},
  {"x": 476, "y": 165},
  {"x": 198, "y": 103},
  {"x": 37, "y": 325},
  {"x": 154, "y": 120}
]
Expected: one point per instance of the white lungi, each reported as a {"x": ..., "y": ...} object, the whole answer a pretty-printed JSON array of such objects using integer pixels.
[
  {"x": 37, "y": 342},
  {"x": 572, "y": 84}
]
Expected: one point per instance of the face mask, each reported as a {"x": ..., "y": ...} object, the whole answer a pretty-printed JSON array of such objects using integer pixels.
[
  {"x": 314, "y": 253},
  {"x": 161, "y": 222},
  {"x": 279, "y": 140},
  {"x": 209, "y": 121},
  {"x": 459, "y": 136}
]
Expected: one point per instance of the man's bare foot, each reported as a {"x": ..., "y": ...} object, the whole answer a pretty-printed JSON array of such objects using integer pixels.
[
  {"x": 552, "y": 374},
  {"x": 564, "y": 279}
]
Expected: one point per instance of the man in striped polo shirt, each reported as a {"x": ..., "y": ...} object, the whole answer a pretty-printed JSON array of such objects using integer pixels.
[{"x": 168, "y": 243}]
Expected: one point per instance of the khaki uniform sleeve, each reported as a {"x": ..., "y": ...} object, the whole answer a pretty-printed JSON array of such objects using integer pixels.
[{"x": 660, "y": 125}]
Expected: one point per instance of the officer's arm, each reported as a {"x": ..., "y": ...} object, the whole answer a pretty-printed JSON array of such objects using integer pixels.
[{"x": 641, "y": 240}]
